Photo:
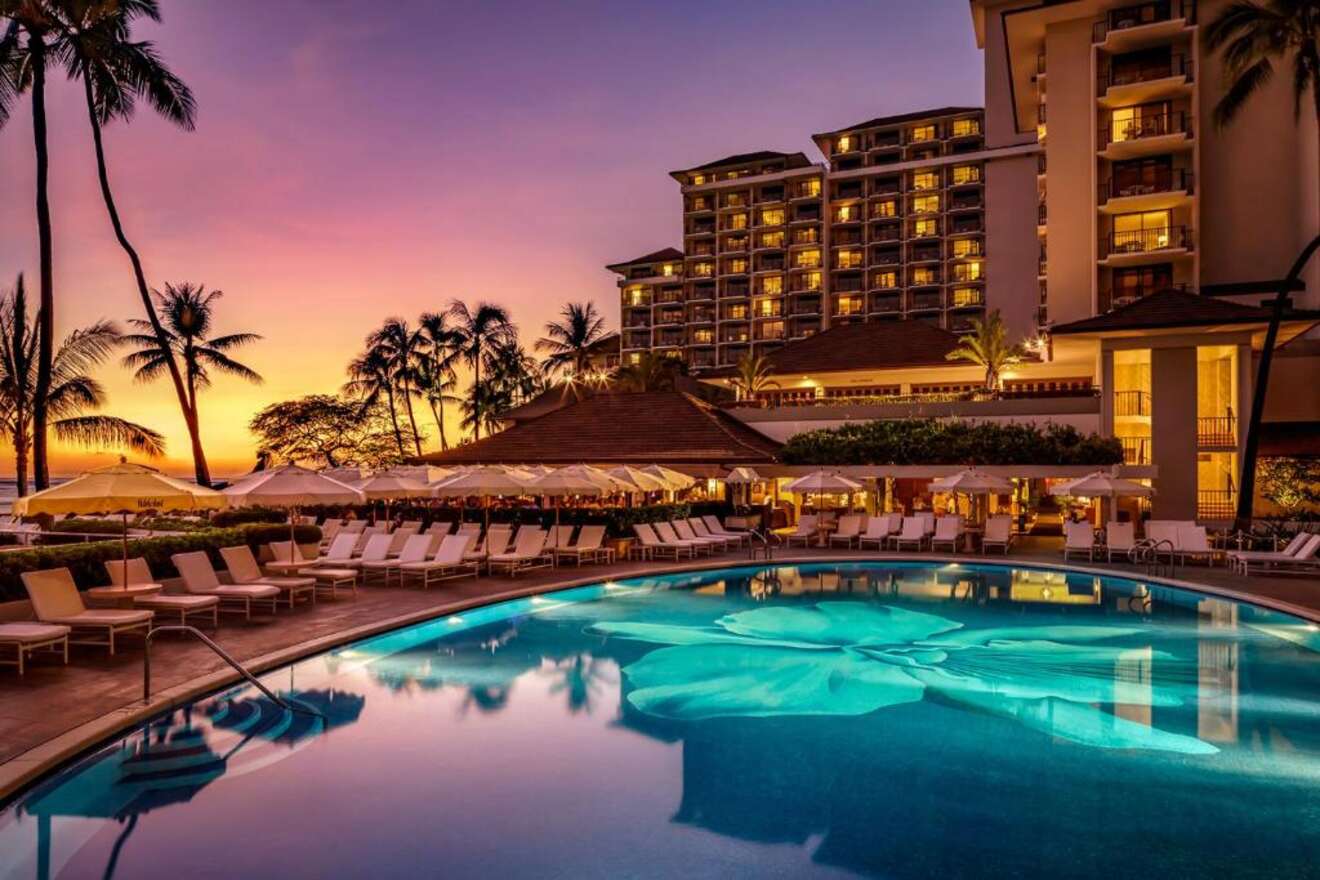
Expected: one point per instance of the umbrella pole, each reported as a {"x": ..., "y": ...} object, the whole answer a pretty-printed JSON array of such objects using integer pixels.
[
  {"x": 124, "y": 580},
  {"x": 293, "y": 542}
]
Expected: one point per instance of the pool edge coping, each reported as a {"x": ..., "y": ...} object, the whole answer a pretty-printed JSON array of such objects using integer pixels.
[{"x": 26, "y": 768}]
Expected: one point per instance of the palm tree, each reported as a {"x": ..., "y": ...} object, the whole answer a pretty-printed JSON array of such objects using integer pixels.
[
  {"x": 189, "y": 312},
  {"x": 651, "y": 372},
  {"x": 482, "y": 406},
  {"x": 370, "y": 379},
  {"x": 401, "y": 346},
  {"x": 1253, "y": 36},
  {"x": 479, "y": 330},
  {"x": 436, "y": 376},
  {"x": 94, "y": 40},
  {"x": 753, "y": 376},
  {"x": 987, "y": 346},
  {"x": 24, "y": 55},
  {"x": 515, "y": 373},
  {"x": 568, "y": 341},
  {"x": 72, "y": 392}
]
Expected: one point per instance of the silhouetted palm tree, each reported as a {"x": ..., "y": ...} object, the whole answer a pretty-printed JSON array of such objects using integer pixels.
[
  {"x": 568, "y": 341},
  {"x": 72, "y": 392},
  {"x": 401, "y": 346},
  {"x": 188, "y": 312},
  {"x": 651, "y": 372},
  {"x": 1253, "y": 37},
  {"x": 369, "y": 380},
  {"x": 988, "y": 347},
  {"x": 436, "y": 376},
  {"x": 94, "y": 39},
  {"x": 753, "y": 376},
  {"x": 479, "y": 330},
  {"x": 515, "y": 373}
]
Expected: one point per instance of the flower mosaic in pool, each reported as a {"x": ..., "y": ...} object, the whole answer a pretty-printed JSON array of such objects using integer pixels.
[{"x": 877, "y": 720}]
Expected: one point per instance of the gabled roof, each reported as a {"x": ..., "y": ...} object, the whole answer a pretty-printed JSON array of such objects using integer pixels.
[
  {"x": 876, "y": 346},
  {"x": 792, "y": 160},
  {"x": 1167, "y": 309},
  {"x": 665, "y": 427},
  {"x": 664, "y": 255},
  {"x": 901, "y": 118}
]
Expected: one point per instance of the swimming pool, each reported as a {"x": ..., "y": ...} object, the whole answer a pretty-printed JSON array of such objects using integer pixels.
[{"x": 872, "y": 719}]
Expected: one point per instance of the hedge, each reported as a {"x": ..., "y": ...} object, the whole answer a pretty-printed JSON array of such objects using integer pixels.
[
  {"x": 931, "y": 441},
  {"x": 85, "y": 560}
]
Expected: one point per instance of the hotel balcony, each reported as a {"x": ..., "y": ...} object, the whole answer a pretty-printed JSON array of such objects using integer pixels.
[
  {"x": 965, "y": 225},
  {"x": 967, "y": 298},
  {"x": 925, "y": 300},
  {"x": 1136, "y": 450},
  {"x": 1110, "y": 299},
  {"x": 703, "y": 359},
  {"x": 1216, "y": 504},
  {"x": 729, "y": 355},
  {"x": 1143, "y": 24},
  {"x": 667, "y": 318},
  {"x": 1144, "y": 83},
  {"x": 805, "y": 305},
  {"x": 637, "y": 321},
  {"x": 1132, "y": 404},
  {"x": 735, "y": 333},
  {"x": 1168, "y": 188},
  {"x": 1217, "y": 432},
  {"x": 925, "y": 255},
  {"x": 966, "y": 202},
  {"x": 1145, "y": 136},
  {"x": 886, "y": 303},
  {"x": 1143, "y": 246}
]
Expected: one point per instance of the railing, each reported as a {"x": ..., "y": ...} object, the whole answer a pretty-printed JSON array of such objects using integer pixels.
[
  {"x": 1041, "y": 213},
  {"x": 1140, "y": 241},
  {"x": 1158, "y": 125},
  {"x": 856, "y": 397},
  {"x": 1136, "y": 450},
  {"x": 891, "y": 303},
  {"x": 1142, "y": 14},
  {"x": 223, "y": 655},
  {"x": 1131, "y": 403},
  {"x": 1112, "y": 298},
  {"x": 1217, "y": 430},
  {"x": 1170, "y": 180},
  {"x": 1178, "y": 66},
  {"x": 965, "y": 204},
  {"x": 1216, "y": 503}
]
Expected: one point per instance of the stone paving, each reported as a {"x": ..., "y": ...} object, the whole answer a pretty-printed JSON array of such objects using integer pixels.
[{"x": 52, "y": 699}]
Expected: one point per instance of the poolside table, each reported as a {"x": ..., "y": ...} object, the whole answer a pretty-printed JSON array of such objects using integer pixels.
[{"x": 122, "y": 597}]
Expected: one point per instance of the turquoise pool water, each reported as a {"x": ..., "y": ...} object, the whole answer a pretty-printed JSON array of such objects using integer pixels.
[{"x": 876, "y": 720}]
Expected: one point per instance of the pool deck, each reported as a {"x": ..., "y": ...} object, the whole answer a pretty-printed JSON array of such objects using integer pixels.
[{"x": 54, "y": 711}]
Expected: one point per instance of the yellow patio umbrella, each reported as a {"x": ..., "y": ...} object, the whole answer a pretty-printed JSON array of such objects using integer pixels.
[{"x": 123, "y": 489}]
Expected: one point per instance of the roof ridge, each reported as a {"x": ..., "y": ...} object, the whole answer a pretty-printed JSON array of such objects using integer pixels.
[{"x": 717, "y": 416}]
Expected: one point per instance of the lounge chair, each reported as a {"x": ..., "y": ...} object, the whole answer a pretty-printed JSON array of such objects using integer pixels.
[
  {"x": 330, "y": 530},
  {"x": 55, "y": 600},
  {"x": 447, "y": 562},
  {"x": 849, "y": 532},
  {"x": 1120, "y": 538},
  {"x": 669, "y": 535},
  {"x": 243, "y": 569},
  {"x": 877, "y": 532},
  {"x": 998, "y": 533},
  {"x": 1237, "y": 559},
  {"x": 375, "y": 551},
  {"x": 700, "y": 530},
  {"x": 469, "y": 528},
  {"x": 411, "y": 525},
  {"x": 1194, "y": 543},
  {"x": 340, "y": 551},
  {"x": 806, "y": 531},
  {"x": 398, "y": 538},
  {"x": 416, "y": 548},
  {"x": 1078, "y": 537},
  {"x": 440, "y": 528},
  {"x": 28, "y": 638},
  {"x": 1304, "y": 558},
  {"x": 528, "y": 552},
  {"x": 684, "y": 532},
  {"x": 1162, "y": 535},
  {"x": 948, "y": 533},
  {"x": 912, "y": 534},
  {"x": 590, "y": 545},
  {"x": 327, "y": 577},
  {"x": 355, "y": 526},
  {"x": 162, "y": 603},
  {"x": 496, "y": 541},
  {"x": 719, "y": 530},
  {"x": 199, "y": 578},
  {"x": 653, "y": 546}
]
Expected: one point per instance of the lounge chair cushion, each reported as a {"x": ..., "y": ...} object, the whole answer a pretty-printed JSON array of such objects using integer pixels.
[
  {"x": 25, "y": 633},
  {"x": 244, "y": 591},
  {"x": 177, "y": 602},
  {"x": 105, "y": 617}
]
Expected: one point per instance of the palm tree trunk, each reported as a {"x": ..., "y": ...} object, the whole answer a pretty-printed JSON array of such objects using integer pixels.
[
  {"x": 412, "y": 420},
  {"x": 20, "y": 454},
  {"x": 200, "y": 467},
  {"x": 439, "y": 416},
  {"x": 46, "y": 313},
  {"x": 394, "y": 420},
  {"x": 1251, "y": 445},
  {"x": 476, "y": 400}
]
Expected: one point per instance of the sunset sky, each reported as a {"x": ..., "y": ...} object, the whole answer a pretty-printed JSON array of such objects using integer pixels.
[{"x": 348, "y": 167}]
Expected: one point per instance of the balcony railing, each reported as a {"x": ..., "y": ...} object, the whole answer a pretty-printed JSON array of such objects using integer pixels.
[
  {"x": 965, "y": 203},
  {"x": 1141, "y": 241},
  {"x": 1142, "y": 14},
  {"x": 1166, "y": 181},
  {"x": 1136, "y": 450},
  {"x": 1216, "y": 504},
  {"x": 1131, "y": 403},
  {"x": 1041, "y": 214},
  {"x": 1217, "y": 430},
  {"x": 1176, "y": 66},
  {"x": 1121, "y": 296},
  {"x": 1158, "y": 125}
]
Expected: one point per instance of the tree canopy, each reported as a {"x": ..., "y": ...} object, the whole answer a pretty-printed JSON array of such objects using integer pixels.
[{"x": 325, "y": 431}]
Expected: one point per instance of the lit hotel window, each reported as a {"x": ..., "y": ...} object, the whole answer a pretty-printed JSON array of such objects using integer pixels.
[
  {"x": 667, "y": 270},
  {"x": 845, "y": 214},
  {"x": 772, "y": 217},
  {"x": 964, "y": 127},
  {"x": 848, "y": 305},
  {"x": 966, "y": 247},
  {"x": 885, "y": 209},
  {"x": 850, "y": 259},
  {"x": 772, "y": 240},
  {"x": 966, "y": 174},
  {"x": 966, "y": 296},
  {"x": 923, "y": 133},
  {"x": 844, "y": 144},
  {"x": 968, "y": 271},
  {"x": 810, "y": 281},
  {"x": 703, "y": 337},
  {"x": 806, "y": 259},
  {"x": 737, "y": 313},
  {"x": 698, "y": 179},
  {"x": 636, "y": 296},
  {"x": 925, "y": 180},
  {"x": 926, "y": 204},
  {"x": 924, "y": 228},
  {"x": 702, "y": 269},
  {"x": 772, "y": 285},
  {"x": 737, "y": 267},
  {"x": 923, "y": 275},
  {"x": 767, "y": 308},
  {"x": 809, "y": 188},
  {"x": 737, "y": 221},
  {"x": 886, "y": 279},
  {"x": 805, "y": 236}
]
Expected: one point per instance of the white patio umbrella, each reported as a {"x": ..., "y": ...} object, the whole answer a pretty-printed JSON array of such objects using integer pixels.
[
  {"x": 743, "y": 477},
  {"x": 123, "y": 489},
  {"x": 291, "y": 487},
  {"x": 561, "y": 483},
  {"x": 484, "y": 482},
  {"x": 607, "y": 481},
  {"x": 640, "y": 480},
  {"x": 421, "y": 473},
  {"x": 823, "y": 481},
  {"x": 387, "y": 486},
  {"x": 1100, "y": 484},
  {"x": 347, "y": 474},
  {"x": 972, "y": 483},
  {"x": 673, "y": 479}
]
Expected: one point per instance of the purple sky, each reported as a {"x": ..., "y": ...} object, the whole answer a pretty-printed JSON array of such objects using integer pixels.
[{"x": 348, "y": 168}]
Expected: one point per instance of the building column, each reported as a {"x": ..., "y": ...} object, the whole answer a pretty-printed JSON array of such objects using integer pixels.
[{"x": 1173, "y": 432}]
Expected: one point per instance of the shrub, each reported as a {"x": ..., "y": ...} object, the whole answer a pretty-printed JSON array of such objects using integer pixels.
[
  {"x": 929, "y": 441},
  {"x": 238, "y": 516},
  {"x": 85, "y": 560}
]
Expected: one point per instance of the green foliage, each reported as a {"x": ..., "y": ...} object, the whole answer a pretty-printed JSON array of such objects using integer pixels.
[
  {"x": 928, "y": 441},
  {"x": 89, "y": 526},
  {"x": 223, "y": 519},
  {"x": 1291, "y": 484},
  {"x": 85, "y": 561},
  {"x": 323, "y": 430}
]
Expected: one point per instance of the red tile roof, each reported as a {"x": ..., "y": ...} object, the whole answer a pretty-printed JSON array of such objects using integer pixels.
[
  {"x": 875, "y": 346},
  {"x": 665, "y": 427},
  {"x": 1164, "y": 309}
]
